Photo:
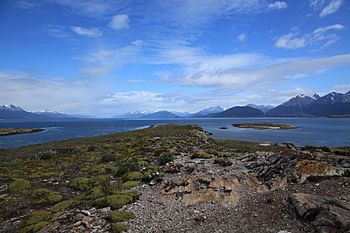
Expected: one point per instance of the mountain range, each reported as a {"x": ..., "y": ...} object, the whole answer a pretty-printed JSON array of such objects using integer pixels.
[
  {"x": 13, "y": 112},
  {"x": 332, "y": 104}
]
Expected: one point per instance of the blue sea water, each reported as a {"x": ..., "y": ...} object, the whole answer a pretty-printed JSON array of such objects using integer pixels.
[{"x": 310, "y": 131}]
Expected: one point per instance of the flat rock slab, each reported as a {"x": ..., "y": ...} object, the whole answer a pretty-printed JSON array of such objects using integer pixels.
[{"x": 327, "y": 214}]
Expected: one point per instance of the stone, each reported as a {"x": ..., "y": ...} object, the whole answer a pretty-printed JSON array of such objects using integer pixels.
[{"x": 327, "y": 215}]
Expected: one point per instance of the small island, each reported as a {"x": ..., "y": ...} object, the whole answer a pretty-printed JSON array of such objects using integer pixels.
[
  {"x": 264, "y": 126},
  {"x": 12, "y": 131}
]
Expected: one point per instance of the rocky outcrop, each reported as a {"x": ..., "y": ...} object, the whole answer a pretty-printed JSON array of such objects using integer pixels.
[{"x": 326, "y": 214}]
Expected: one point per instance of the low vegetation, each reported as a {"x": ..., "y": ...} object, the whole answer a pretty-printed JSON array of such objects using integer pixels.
[
  {"x": 264, "y": 126},
  {"x": 12, "y": 131}
]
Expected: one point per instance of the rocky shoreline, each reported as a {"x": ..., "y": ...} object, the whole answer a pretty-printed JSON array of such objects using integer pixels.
[{"x": 172, "y": 178}]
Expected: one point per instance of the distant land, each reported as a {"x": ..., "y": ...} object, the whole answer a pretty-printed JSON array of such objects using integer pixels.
[{"x": 331, "y": 105}]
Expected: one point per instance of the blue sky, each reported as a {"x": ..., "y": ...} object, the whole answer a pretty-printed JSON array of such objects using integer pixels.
[{"x": 106, "y": 57}]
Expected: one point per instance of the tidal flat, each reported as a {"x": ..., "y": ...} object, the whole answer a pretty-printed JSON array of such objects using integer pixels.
[{"x": 175, "y": 179}]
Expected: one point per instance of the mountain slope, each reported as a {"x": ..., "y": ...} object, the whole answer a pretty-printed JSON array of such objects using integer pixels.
[
  {"x": 331, "y": 104},
  {"x": 207, "y": 111},
  {"x": 294, "y": 107},
  {"x": 160, "y": 114},
  {"x": 13, "y": 112},
  {"x": 239, "y": 112},
  {"x": 263, "y": 108}
]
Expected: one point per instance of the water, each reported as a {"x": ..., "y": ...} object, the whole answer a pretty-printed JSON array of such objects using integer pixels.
[{"x": 314, "y": 131}]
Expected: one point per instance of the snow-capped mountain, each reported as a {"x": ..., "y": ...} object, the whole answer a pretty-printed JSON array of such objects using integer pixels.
[
  {"x": 13, "y": 112},
  {"x": 331, "y": 104},
  {"x": 134, "y": 114},
  {"x": 208, "y": 111},
  {"x": 10, "y": 107}
]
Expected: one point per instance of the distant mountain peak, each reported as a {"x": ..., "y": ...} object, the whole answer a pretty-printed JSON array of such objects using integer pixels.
[
  {"x": 316, "y": 96},
  {"x": 11, "y": 107},
  {"x": 208, "y": 111}
]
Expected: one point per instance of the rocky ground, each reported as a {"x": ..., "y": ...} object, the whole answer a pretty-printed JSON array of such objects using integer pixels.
[{"x": 182, "y": 181}]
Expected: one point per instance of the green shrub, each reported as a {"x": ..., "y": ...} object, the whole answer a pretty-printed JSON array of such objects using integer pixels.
[
  {"x": 115, "y": 201},
  {"x": 127, "y": 166},
  {"x": 34, "y": 228},
  {"x": 129, "y": 185},
  {"x": 19, "y": 185},
  {"x": 119, "y": 228},
  {"x": 165, "y": 157},
  {"x": 40, "y": 193},
  {"x": 36, "y": 217},
  {"x": 82, "y": 184},
  {"x": 134, "y": 176},
  {"x": 62, "y": 205},
  {"x": 201, "y": 155},
  {"x": 120, "y": 216},
  {"x": 105, "y": 183},
  {"x": 54, "y": 197},
  {"x": 223, "y": 161},
  {"x": 95, "y": 192},
  {"x": 106, "y": 158}
]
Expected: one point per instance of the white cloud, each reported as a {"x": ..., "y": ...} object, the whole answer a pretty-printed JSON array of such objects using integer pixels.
[
  {"x": 91, "y": 32},
  {"x": 344, "y": 88},
  {"x": 242, "y": 37},
  {"x": 278, "y": 5},
  {"x": 333, "y": 6},
  {"x": 119, "y": 22},
  {"x": 57, "y": 31},
  {"x": 101, "y": 62},
  {"x": 290, "y": 41},
  {"x": 326, "y": 7},
  {"x": 320, "y": 37},
  {"x": 265, "y": 75}
]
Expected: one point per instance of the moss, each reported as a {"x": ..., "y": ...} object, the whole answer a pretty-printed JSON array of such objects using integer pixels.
[
  {"x": 54, "y": 197},
  {"x": 134, "y": 175},
  {"x": 36, "y": 217},
  {"x": 40, "y": 193},
  {"x": 34, "y": 227},
  {"x": 62, "y": 205},
  {"x": 201, "y": 155},
  {"x": 120, "y": 216},
  {"x": 19, "y": 185},
  {"x": 129, "y": 184},
  {"x": 115, "y": 201},
  {"x": 95, "y": 193},
  {"x": 57, "y": 214},
  {"x": 98, "y": 170},
  {"x": 119, "y": 227},
  {"x": 82, "y": 183}
]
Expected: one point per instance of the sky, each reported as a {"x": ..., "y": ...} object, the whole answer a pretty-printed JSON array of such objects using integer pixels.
[{"x": 107, "y": 57}]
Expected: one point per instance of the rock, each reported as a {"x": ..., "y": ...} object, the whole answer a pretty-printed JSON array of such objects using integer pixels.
[
  {"x": 3, "y": 188},
  {"x": 79, "y": 216},
  {"x": 86, "y": 212},
  {"x": 327, "y": 215},
  {"x": 104, "y": 210}
]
